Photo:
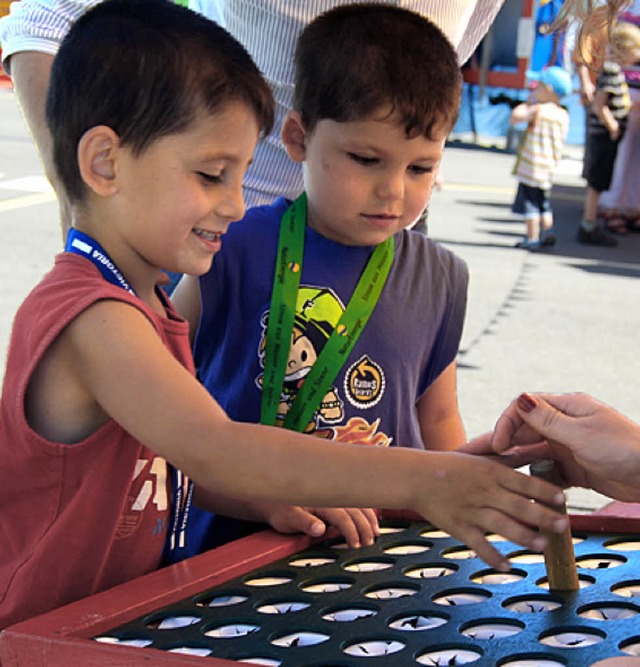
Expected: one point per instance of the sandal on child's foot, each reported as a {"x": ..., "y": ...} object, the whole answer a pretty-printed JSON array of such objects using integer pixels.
[
  {"x": 616, "y": 224},
  {"x": 528, "y": 244}
]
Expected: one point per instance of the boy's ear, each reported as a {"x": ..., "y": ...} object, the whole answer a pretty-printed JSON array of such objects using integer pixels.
[
  {"x": 294, "y": 136},
  {"x": 97, "y": 159}
]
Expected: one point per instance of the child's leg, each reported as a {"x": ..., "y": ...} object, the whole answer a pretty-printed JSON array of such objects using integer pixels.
[
  {"x": 598, "y": 168},
  {"x": 531, "y": 242},
  {"x": 531, "y": 209},
  {"x": 589, "y": 231},
  {"x": 591, "y": 199},
  {"x": 547, "y": 233},
  {"x": 533, "y": 228}
]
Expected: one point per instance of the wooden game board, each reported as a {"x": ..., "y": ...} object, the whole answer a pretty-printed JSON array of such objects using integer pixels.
[{"x": 416, "y": 597}]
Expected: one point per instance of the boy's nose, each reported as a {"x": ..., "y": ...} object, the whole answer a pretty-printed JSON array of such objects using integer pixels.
[
  {"x": 391, "y": 186},
  {"x": 232, "y": 207}
]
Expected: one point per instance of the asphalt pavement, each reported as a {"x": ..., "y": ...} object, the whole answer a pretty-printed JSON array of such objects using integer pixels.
[{"x": 564, "y": 320}]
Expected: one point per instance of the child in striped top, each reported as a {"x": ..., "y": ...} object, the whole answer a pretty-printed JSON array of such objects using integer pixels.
[
  {"x": 606, "y": 123},
  {"x": 539, "y": 153}
]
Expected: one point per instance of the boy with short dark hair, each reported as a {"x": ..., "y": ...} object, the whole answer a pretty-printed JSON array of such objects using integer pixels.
[
  {"x": 327, "y": 315},
  {"x": 368, "y": 124},
  {"x": 101, "y": 414}
]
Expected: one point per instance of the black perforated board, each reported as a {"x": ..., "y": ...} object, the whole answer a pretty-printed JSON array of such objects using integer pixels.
[{"x": 603, "y": 563}]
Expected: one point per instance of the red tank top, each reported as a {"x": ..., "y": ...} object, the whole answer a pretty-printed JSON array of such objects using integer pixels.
[{"x": 74, "y": 519}]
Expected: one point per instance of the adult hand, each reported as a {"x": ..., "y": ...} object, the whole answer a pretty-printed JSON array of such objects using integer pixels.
[{"x": 597, "y": 447}]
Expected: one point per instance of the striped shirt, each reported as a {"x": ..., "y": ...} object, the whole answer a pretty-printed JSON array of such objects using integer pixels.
[
  {"x": 612, "y": 80},
  {"x": 268, "y": 29},
  {"x": 541, "y": 147}
]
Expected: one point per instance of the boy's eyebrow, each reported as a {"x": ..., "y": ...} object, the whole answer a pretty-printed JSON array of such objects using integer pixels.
[{"x": 222, "y": 157}]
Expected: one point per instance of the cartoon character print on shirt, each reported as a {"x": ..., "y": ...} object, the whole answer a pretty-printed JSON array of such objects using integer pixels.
[{"x": 318, "y": 311}]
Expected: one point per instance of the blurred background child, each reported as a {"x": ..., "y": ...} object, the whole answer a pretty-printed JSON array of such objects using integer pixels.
[
  {"x": 606, "y": 122},
  {"x": 539, "y": 154}
]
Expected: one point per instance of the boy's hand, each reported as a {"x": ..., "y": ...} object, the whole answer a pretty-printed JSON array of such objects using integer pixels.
[
  {"x": 359, "y": 527},
  {"x": 469, "y": 496},
  {"x": 536, "y": 449}
]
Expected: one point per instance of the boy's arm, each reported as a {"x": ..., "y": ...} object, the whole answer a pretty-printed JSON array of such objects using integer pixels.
[
  {"x": 116, "y": 356},
  {"x": 186, "y": 299},
  {"x": 523, "y": 113},
  {"x": 587, "y": 87},
  {"x": 601, "y": 109},
  {"x": 441, "y": 425}
]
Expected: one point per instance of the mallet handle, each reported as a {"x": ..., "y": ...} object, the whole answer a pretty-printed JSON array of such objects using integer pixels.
[{"x": 559, "y": 556}]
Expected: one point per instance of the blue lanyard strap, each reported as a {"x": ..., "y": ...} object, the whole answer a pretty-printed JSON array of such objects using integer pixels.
[{"x": 82, "y": 244}]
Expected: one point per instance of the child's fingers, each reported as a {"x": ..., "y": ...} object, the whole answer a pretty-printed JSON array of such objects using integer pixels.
[
  {"x": 293, "y": 519},
  {"x": 475, "y": 539},
  {"x": 532, "y": 488},
  {"x": 494, "y": 521},
  {"x": 366, "y": 523},
  {"x": 533, "y": 514},
  {"x": 357, "y": 526}
]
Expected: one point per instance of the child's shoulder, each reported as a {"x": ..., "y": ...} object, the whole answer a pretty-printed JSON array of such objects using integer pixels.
[{"x": 417, "y": 249}]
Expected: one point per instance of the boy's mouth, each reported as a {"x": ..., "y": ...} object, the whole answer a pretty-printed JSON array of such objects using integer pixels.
[{"x": 208, "y": 236}]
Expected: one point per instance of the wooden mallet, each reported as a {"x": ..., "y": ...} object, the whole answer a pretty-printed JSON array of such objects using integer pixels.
[{"x": 559, "y": 556}]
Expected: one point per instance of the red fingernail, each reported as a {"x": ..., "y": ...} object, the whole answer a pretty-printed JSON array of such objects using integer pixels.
[{"x": 526, "y": 402}]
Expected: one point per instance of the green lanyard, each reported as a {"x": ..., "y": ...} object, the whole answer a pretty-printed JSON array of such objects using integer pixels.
[{"x": 281, "y": 320}]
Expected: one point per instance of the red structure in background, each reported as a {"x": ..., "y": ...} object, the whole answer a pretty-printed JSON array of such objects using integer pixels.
[{"x": 480, "y": 73}]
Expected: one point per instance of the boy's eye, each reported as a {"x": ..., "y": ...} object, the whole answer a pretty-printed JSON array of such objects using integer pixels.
[
  {"x": 210, "y": 178},
  {"x": 420, "y": 169},
  {"x": 363, "y": 159}
]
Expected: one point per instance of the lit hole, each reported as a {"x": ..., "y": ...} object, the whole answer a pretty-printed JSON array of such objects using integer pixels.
[
  {"x": 608, "y": 612},
  {"x": 407, "y": 548},
  {"x": 429, "y": 571},
  {"x": 374, "y": 649},
  {"x": 368, "y": 566},
  {"x": 571, "y": 639},
  {"x": 312, "y": 561},
  {"x": 138, "y": 643},
  {"x": 532, "y": 605},
  {"x": 232, "y": 631},
  {"x": 417, "y": 622},
  {"x": 282, "y": 607},
  {"x": 348, "y": 615},
  {"x": 495, "y": 577},
  {"x": 449, "y": 656},
  {"x": 268, "y": 581},
  {"x": 488, "y": 630},
  {"x": 300, "y": 639},
  {"x": 191, "y": 650},
  {"x": 461, "y": 598}
]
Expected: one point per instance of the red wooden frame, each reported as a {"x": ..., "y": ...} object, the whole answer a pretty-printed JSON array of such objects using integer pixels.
[{"x": 63, "y": 637}]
